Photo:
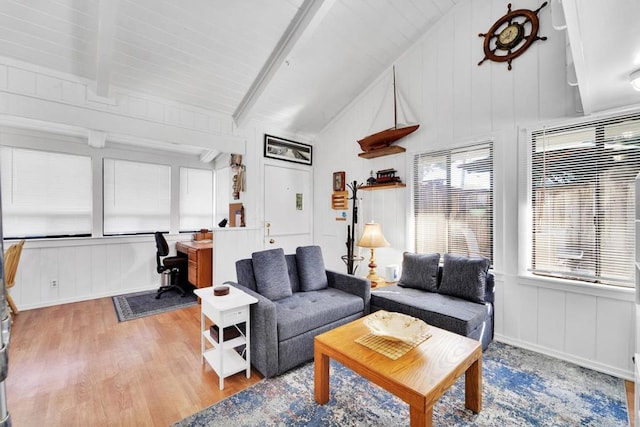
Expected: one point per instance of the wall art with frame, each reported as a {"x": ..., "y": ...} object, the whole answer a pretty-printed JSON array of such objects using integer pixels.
[{"x": 285, "y": 149}]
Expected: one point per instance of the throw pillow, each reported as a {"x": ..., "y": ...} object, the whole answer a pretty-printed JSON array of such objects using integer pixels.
[
  {"x": 464, "y": 277},
  {"x": 420, "y": 271},
  {"x": 311, "y": 272},
  {"x": 270, "y": 271}
]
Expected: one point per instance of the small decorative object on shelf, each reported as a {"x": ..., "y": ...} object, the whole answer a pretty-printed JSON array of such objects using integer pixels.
[
  {"x": 387, "y": 175},
  {"x": 371, "y": 180},
  {"x": 220, "y": 291},
  {"x": 386, "y": 178}
]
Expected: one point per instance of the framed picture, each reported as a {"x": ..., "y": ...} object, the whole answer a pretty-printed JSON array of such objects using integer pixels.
[
  {"x": 285, "y": 149},
  {"x": 338, "y": 181}
]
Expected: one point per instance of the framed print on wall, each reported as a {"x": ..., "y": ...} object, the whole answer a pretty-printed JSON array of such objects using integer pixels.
[
  {"x": 338, "y": 181},
  {"x": 285, "y": 149}
]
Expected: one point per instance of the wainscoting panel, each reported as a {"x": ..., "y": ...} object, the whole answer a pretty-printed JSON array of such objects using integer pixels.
[
  {"x": 551, "y": 324},
  {"x": 581, "y": 324},
  {"x": 529, "y": 308},
  {"x": 230, "y": 245},
  {"x": 615, "y": 331},
  {"x": 85, "y": 269}
]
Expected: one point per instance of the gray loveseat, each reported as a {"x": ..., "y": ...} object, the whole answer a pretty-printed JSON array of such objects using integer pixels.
[
  {"x": 297, "y": 300},
  {"x": 458, "y": 296}
]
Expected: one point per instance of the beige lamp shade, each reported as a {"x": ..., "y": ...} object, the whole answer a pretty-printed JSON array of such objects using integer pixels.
[{"x": 372, "y": 236}]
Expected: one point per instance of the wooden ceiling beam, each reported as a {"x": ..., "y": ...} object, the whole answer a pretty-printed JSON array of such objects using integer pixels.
[{"x": 300, "y": 28}]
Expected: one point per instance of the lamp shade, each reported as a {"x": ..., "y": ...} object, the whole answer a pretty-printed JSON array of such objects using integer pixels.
[{"x": 372, "y": 236}]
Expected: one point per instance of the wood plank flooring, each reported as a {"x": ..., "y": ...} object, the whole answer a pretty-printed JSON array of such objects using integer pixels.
[{"x": 75, "y": 365}]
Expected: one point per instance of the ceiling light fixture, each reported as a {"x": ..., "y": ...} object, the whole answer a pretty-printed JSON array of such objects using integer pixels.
[{"x": 634, "y": 79}]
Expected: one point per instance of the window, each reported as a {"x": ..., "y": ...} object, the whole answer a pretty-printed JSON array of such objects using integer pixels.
[
  {"x": 582, "y": 198},
  {"x": 137, "y": 197},
  {"x": 453, "y": 201},
  {"x": 196, "y": 199},
  {"x": 45, "y": 194}
]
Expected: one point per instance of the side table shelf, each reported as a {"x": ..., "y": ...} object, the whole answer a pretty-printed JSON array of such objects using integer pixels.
[{"x": 224, "y": 311}]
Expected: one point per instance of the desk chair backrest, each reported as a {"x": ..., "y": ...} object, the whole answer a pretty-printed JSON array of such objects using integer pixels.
[
  {"x": 11, "y": 260},
  {"x": 162, "y": 249}
]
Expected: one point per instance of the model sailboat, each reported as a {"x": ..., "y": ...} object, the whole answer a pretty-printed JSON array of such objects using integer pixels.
[{"x": 383, "y": 139}]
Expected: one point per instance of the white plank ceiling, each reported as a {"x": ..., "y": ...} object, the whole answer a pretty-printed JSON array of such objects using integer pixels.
[{"x": 294, "y": 63}]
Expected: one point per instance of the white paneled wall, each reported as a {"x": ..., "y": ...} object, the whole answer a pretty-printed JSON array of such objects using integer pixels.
[
  {"x": 458, "y": 102},
  {"x": 85, "y": 268}
]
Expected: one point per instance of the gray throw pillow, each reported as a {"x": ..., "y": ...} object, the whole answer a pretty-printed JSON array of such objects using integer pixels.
[
  {"x": 420, "y": 271},
  {"x": 272, "y": 276},
  {"x": 464, "y": 277},
  {"x": 311, "y": 272}
]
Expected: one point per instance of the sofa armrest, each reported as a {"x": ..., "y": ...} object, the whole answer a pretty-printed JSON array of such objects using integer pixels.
[
  {"x": 490, "y": 289},
  {"x": 354, "y": 285},
  {"x": 264, "y": 333}
]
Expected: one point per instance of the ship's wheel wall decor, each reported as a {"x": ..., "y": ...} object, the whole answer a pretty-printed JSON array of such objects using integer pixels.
[{"x": 511, "y": 35}]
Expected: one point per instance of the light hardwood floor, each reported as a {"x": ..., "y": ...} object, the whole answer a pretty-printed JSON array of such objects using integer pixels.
[{"x": 75, "y": 365}]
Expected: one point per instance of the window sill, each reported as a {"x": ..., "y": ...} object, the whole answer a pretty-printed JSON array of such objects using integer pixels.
[{"x": 566, "y": 285}]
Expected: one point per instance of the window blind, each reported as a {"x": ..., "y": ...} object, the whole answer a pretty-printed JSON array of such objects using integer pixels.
[
  {"x": 196, "y": 199},
  {"x": 137, "y": 197},
  {"x": 45, "y": 194},
  {"x": 453, "y": 201},
  {"x": 582, "y": 197}
]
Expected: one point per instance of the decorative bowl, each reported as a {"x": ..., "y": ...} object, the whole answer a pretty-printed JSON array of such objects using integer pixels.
[{"x": 396, "y": 326}]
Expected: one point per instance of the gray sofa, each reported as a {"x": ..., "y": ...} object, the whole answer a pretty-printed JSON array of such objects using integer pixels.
[
  {"x": 458, "y": 296},
  {"x": 297, "y": 300}
]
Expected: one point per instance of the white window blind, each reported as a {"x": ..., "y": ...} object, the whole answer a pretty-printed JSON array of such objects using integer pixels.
[
  {"x": 45, "y": 194},
  {"x": 453, "y": 201},
  {"x": 196, "y": 199},
  {"x": 137, "y": 197},
  {"x": 582, "y": 191}
]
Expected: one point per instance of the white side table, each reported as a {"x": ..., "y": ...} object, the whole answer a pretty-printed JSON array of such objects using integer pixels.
[{"x": 226, "y": 310}]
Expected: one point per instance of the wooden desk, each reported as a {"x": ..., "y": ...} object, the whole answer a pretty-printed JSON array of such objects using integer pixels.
[{"x": 200, "y": 254}]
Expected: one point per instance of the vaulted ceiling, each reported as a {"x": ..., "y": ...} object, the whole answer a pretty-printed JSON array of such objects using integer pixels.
[{"x": 296, "y": 63}]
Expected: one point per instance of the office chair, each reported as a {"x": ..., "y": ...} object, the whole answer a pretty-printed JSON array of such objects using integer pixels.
[
  {"x": 176, "y": 265},
  {"x": 11, "y": 260}
]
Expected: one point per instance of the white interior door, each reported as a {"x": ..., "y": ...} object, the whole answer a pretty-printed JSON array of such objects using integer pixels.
[{"x": 288, "y": 207}]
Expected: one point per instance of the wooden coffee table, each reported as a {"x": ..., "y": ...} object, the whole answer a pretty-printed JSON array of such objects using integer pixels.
[{"x": 419, "y": 377}]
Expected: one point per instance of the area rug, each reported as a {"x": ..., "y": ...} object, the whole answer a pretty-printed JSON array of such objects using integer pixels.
[
  {"x": 140, "y": 304},
  {"x": 520, "y": 388}
]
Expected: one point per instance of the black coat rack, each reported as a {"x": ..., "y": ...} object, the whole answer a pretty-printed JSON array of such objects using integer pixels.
[{"x": 350, "y": 259}]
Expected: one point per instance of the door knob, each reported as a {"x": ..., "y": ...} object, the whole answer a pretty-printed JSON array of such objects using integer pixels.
[{"x": 272, "y": 241}]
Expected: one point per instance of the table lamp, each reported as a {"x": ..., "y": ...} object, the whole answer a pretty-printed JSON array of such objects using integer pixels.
[{"x": 372, "y": 238}]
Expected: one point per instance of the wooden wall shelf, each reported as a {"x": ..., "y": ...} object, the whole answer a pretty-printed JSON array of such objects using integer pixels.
[
  {"x": 383, "y": 186},
  {"x": 385, "y": 151}
]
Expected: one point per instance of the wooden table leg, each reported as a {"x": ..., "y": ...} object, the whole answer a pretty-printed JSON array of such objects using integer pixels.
[
  {"x": 473, "y": 386},
  {"x": 321, "y": 376},
  {"x": 419, "y": 418}
]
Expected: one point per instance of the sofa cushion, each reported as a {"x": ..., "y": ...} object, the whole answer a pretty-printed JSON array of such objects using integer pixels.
[
  {"x": 420, "y": 271},
  {"x": 464, "y": 277},
  {"x": 271, "y": 273},
  {"x": 311, "y": 272},
  {"x": 305, "y": 311},
  {"x": 443, "y": 311}
]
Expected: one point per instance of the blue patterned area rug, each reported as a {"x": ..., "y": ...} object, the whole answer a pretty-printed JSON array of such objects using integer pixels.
[
  {"x": 140, "y": 304},
  {"x": 520, "y": 388}
]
